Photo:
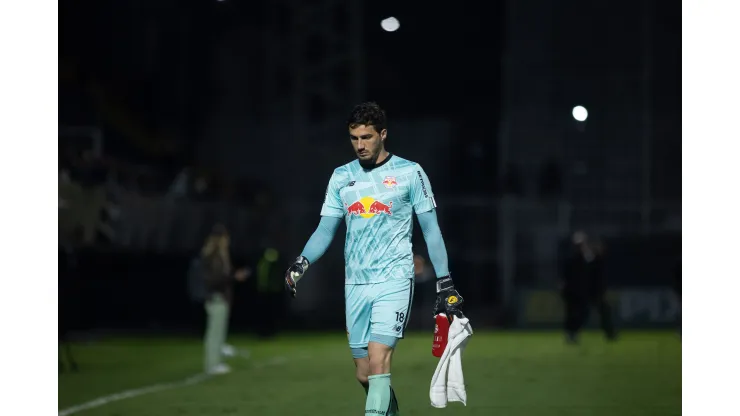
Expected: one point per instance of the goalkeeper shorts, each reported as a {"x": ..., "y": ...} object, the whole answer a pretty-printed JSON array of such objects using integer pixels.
[{"x": 377, "y": 309}]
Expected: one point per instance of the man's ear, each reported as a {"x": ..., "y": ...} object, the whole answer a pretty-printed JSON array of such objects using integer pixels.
[{"x": 383, "y": 133}]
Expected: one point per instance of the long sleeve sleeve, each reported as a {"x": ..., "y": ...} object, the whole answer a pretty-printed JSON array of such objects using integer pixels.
[
  {"x": 321, "y": 238},
  {"x": 435, "y": 242}
]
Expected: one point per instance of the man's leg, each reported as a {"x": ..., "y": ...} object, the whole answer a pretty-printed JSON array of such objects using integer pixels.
[
  {"x": 578, "y": 311},
  {"x": 217, "y": 310},
  {"x": 357, "y": 314},
  {"x": 570, "y": 323},
  {"x": 381, "y": 399},
  {"x": 362, "y": 369},
  {"x": 224, "y": 328},
  {"x": 584, "y": 313},
  {"x": 605, "y": 314},
  {"x": 390, "y": 315}
]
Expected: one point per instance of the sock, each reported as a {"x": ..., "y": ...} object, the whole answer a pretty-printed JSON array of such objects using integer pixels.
[{"x": 379, "y": 395}]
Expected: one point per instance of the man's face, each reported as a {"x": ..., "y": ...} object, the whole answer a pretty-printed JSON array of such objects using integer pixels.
[{"x": 367, "y": 142}]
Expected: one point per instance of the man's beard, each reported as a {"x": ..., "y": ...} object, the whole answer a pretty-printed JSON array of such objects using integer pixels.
[{"x": 368, "y": 163}]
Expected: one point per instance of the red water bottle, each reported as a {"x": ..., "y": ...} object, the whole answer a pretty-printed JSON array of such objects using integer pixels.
[{"x": 441, "y": 330}]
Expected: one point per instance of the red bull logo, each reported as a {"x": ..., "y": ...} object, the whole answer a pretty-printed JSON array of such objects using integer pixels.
[
  {"x": 390, "y": 182},
  {"x": 368, "y": 207}
]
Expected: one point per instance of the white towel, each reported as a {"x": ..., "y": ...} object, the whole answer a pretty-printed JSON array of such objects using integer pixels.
[{"x": 448, "y": 383}]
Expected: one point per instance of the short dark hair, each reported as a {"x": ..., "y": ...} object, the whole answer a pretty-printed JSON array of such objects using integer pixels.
[{"x": 368, "y": 114}]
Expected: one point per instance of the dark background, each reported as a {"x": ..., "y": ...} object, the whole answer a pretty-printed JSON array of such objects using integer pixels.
[{"x": 250, "y": 98}]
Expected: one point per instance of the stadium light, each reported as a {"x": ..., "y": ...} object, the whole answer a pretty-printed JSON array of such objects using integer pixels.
[
  {"x": 390, "y": 24},
  {"x": 580, "y": 113}
]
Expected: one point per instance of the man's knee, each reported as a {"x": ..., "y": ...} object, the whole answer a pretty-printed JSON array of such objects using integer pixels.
[
  {"x": 380, "y": 366},
  {"x": 380, "y": 354}
]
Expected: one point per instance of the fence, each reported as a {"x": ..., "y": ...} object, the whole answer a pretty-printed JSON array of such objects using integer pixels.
[{"x": 498, "y": 248}]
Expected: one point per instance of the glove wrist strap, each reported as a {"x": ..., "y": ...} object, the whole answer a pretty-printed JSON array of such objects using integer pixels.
[
  {"x": 444, "y": 283},
  {"x": 303, "y": 262}
]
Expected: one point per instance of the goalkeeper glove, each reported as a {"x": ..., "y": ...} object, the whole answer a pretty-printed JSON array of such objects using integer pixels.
[
  {"x": 448, "y": 300},
  {"x": 294, "y": 274}
]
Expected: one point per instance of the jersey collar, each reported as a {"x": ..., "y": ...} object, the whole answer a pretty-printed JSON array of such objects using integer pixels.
[{"x": 377, "y": 165}]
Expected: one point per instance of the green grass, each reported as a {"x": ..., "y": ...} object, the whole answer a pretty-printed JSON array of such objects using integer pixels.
[{"x": 513, "y": 374}]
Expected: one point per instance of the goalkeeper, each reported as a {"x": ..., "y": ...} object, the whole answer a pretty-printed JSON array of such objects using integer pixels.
[{"x": 376, "y": 195}]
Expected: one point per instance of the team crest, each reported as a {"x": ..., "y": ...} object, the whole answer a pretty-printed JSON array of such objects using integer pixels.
[{"x": 390, "y": 182}]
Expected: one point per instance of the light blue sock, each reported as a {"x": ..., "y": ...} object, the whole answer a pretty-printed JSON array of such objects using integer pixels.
[{"x": 378, "y": 401}]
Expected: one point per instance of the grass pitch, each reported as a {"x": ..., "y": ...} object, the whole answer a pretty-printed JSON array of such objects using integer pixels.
[{"x": 507, "y": 374}]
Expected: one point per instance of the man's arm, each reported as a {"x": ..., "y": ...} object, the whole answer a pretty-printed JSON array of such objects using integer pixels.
[
  {"x": 435, "y": 242},
  {"x": 449, "y": 300},
  {"x": 314, "y": 249},
  {"x": 321, "y": 239},
  {"x": 332, "y": 213}
]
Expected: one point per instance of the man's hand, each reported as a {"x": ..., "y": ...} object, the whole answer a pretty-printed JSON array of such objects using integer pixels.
[
  {"x": 448, "y": 300},
  {"x": 294, "y": 274}
]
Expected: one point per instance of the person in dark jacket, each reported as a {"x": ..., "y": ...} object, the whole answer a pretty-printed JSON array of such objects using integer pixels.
[
  {"x": 219, "y": 280},
  {"x": 584, "y": 286}
]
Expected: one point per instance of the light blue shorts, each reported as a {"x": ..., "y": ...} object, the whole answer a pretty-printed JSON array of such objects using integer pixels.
[{"x": 377, "y": 310}]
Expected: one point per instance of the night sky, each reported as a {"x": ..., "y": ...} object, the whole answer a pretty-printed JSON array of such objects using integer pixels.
[
  {"x": 442, "y": 61},
  {"x": 446, "y": 60}
]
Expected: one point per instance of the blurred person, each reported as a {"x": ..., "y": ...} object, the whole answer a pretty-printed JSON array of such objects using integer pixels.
[
  {"x": 377, "y": 195},
  {"x": 218, "y": 277},
  {"x": 584, "y": 286},
  {"x": 270, "y": 290}
]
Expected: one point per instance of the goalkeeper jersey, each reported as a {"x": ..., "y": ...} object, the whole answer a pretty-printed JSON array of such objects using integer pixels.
[{"x": 377, "y": 205}]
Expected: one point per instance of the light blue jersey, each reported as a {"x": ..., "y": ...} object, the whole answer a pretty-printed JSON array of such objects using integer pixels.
[{"x": 378, "y": 206}]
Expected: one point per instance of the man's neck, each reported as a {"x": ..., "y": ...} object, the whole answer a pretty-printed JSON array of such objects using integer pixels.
[{"x": 382, "y": 157}]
